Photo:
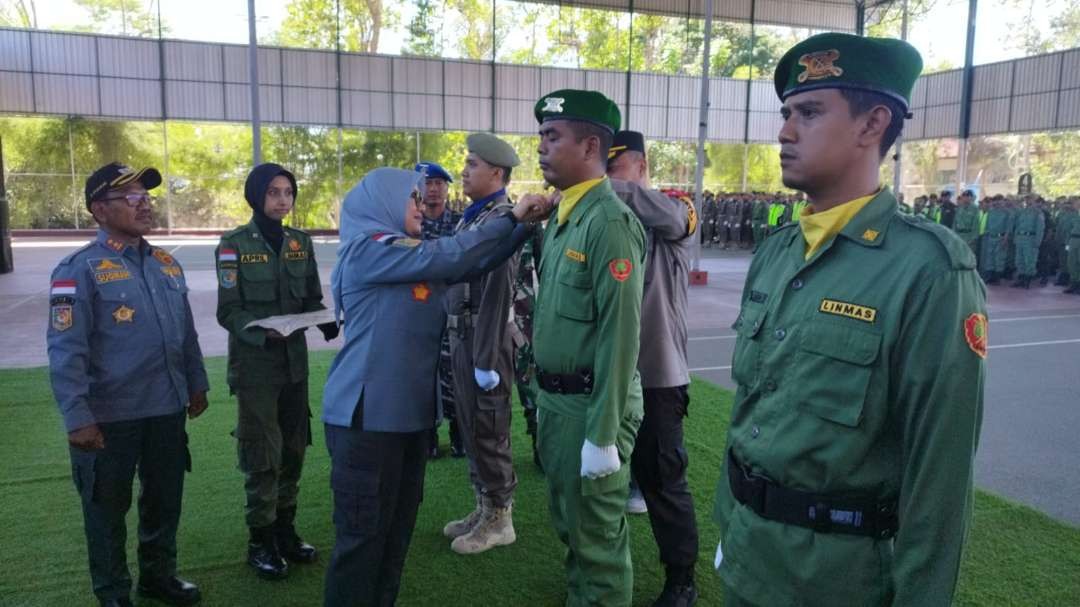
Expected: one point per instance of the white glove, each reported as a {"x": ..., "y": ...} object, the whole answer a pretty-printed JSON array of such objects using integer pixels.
[
  {"x": 487, "y": 380},
  {"x": 719, "y": 558},
  {"x": 598, "y": 462}
]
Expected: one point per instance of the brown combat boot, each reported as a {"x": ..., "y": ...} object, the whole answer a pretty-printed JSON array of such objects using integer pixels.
[
  {"x": 496, "y": 528},
  {"x": 458, "y": 528}
]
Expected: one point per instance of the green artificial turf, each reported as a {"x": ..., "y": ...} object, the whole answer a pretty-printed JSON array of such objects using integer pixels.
[{"x": 1016, "y": 555}]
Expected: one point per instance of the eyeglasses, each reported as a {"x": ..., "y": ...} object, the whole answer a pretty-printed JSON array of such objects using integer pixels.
[
  {"x": 132, "y": 200},
  {"x": 418, "y": 200}
]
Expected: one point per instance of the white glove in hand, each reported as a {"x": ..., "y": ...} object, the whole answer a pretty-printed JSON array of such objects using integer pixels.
[
  {"x": 719, "y": 558},
  {"x": 487, "y": 380},
  {"x": 597, "y": 462}
]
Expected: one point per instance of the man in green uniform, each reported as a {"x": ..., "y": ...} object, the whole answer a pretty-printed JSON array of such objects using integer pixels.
[
  {"x": 1072, "y": 250},
  {"x": 1028, "y": 227},
  {"x": 966, "y": 224},
  {"x": 848, "y": 474},
  {"x": 995, "y": 241},
  {"x": 588, "y": 310},
  {"x": 1067, "y": 216},
  {"x": 265, "y": 269},
  {"x": 760, "y": 220}
]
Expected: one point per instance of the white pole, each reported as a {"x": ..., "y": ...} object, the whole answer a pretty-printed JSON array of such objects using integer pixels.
[
  {"x": 703, "y": 127},
  {"x": 253, "y": 59}
]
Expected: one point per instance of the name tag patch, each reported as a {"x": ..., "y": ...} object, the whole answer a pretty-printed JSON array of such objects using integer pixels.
[
  {"x": 173, "y": 271},
  {"x": 295, "y": 255},
  {"x": 850, "y": 310},
  {"x": 254, "y": 258},
  {"x": 577, "y": 256}
]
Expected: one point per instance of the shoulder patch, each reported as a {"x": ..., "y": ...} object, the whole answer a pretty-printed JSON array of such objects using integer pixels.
[{"x": 958, "y": 252}]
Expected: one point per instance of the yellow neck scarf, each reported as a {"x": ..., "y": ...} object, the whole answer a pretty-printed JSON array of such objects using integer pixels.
[
  {"x": 572, "y": 195},
  {"x": 818, "y": 228}
]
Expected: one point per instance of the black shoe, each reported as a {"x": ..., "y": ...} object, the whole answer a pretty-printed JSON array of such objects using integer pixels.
[
  {"x": 677, "y": 595},
  {"x": 171, "y": 590},
  {"x": 1018, "y": 283},
  {"x": 1073, "y": 290},
  {"x": 295, "y": 549},
  {"x": 263, "y": 555},
  {"x": 117, "y": 602}
]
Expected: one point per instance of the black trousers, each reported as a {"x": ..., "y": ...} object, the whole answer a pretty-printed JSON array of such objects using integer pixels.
[
  {"x": 157, "y": 448},
  {"x": 377, "y": 480},
  {"x": 659, "y": 465}
]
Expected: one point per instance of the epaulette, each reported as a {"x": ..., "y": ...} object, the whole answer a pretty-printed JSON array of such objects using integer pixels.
[
  {"x": 67, "y": 260},
  {"x": 959, "y": 253},
  {"x": 235, "y": 231}
]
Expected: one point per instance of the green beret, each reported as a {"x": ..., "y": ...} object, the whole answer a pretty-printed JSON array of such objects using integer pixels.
[
  {"x": 492, "y": 150},
  {"x": 834, "y": 61},
  {"x": 587, "y": 106}
]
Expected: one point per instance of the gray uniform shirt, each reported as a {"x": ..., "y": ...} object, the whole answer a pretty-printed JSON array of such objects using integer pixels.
[
  {"x": 490, "y": 299},
  {"x": 669, "y": 224}
]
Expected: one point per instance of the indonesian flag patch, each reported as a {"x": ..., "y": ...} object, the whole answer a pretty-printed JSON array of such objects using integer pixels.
[
  {"x": 620, "y": 269},
  {"x": 62, "y": 287},
  {"x": 976, "y": 332},
  {"x": 227, "y": 255}
]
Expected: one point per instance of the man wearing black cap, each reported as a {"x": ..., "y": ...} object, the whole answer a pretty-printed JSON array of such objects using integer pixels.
[
  {"x": 659, "y": 460},
  {"x": 266, "y": 269},
  {"x": 125, "y": 363}
]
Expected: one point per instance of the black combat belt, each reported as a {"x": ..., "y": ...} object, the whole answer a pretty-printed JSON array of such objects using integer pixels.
[
  {"x": 1000, "y": 234},
  {"x": 565, "y": 383},
  {"x": 1025, "y": 233},
  {"x": 821, "y": 513}
]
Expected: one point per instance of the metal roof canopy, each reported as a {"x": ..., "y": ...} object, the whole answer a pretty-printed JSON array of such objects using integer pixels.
[{"x": 835, "y": 15}]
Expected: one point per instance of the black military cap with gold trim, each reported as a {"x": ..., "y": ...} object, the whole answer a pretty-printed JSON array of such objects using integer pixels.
[
  {"x": 115, "y": 175},
  {"x": 832, "y": 60}
]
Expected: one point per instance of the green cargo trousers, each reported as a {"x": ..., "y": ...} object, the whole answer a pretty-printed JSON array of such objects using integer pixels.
[
  {"x": 272, "y": 433},
  {"x": 589, "y": 516}
]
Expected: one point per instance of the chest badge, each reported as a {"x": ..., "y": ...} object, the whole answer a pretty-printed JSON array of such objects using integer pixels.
[
  {"x": 294, "y": 245},
  {"x": 62, "y": 316},
  {"x": 123, "y": 314},
  {"x": 421, "y": 292},
  {"x": 870, "y": 235},
  {"x": 976, "y": 334},
  {"x": 577, "y": 256}
]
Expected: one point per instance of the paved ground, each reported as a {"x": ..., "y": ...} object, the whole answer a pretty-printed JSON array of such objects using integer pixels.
[{"x": 1029, "y": 451}]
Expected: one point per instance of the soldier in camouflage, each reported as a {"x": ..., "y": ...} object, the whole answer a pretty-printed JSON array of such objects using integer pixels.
[{"x": 524, "y": 368}]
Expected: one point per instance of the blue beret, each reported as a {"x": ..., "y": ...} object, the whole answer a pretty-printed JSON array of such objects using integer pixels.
[{"x": 433, "y": 171}]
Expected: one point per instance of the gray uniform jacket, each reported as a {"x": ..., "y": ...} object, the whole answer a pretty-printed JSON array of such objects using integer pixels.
[
  {"x": 669, "y": 224},
  {"x": 121, "y": 338},
  {"x": 485, "y": 305}
]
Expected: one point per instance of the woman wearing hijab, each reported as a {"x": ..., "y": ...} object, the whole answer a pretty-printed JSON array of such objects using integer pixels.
[
  {"x": 265, "y": 269},
  {"x": 379, "y": 404}
]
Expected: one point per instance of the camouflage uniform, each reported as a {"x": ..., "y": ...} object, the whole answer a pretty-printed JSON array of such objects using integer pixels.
[
  {"x": 437, "y": 228},
  {"x": 524, "y": 303}
]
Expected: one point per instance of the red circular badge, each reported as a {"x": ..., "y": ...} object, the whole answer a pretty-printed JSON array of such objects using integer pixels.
[
  {"x": 620, "y": 269},
  {"x": 975, "y": 332}
]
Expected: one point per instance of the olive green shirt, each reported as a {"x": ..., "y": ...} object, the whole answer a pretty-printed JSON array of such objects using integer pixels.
[
  {"x": 588, "y": 310},
  {"x": 860, "y": 373},
  {"x": 254, "y": 282}
]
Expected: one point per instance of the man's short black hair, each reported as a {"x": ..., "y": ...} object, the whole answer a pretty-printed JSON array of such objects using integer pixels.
[
  {"x": 583, "y": 130},
  {"x": 860, "y": 102},
  {"x": 506, "y": 175}
]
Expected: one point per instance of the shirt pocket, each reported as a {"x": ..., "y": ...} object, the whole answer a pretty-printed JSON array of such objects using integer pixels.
[
  {"x": 834, "y": 366},
  {"x": 575, "y": 298},
  {"x": 297, "y": 273},
  {"x": 747, "y": 349},
  {"x": 258, "y": 282}
]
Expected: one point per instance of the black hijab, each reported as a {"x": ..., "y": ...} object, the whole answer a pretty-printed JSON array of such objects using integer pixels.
[{"x": 258, "y": 181}]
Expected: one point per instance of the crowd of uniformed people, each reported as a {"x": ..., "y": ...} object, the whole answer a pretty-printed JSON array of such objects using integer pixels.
[{"x": 847, "y": 474}]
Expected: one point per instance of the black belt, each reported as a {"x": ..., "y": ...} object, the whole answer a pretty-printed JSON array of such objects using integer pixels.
[
  {"x": 822, "y": 513},
  {"x": 565, "y": 383},
  {"x": 1000, "y": 234},
  {"x": 1025, "y": 233}
]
